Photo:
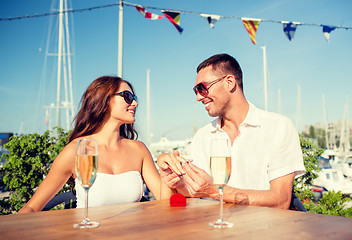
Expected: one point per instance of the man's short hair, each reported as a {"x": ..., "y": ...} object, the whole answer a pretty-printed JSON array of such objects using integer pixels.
[{"x": 225, "y": 64}]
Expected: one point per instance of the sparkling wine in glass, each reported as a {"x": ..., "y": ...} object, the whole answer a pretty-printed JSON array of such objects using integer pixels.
[
  {"x": 86, "y": 168},
  {"x": 220, "y": 169}
]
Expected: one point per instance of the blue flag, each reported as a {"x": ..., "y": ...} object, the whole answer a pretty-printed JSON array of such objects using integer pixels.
[
  {"x": 327, "y": 30},
  {"x": 289, "y": 29}
]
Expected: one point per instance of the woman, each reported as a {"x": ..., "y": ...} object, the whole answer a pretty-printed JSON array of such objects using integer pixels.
[{"x": 107, "y": 114}]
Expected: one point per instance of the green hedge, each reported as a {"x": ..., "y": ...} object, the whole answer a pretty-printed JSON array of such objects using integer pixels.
[{"x": 27, "y": 163}]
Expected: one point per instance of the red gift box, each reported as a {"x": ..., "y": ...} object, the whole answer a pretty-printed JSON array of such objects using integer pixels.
[{"x": 178, "y": 200}]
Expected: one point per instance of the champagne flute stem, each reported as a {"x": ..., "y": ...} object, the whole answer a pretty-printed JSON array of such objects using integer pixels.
[
  {"x": 86, "y": 190},
  {"x": 221, "y": 203}
]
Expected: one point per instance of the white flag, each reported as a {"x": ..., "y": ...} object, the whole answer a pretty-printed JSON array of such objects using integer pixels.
[{"x": 211, "y": 18}]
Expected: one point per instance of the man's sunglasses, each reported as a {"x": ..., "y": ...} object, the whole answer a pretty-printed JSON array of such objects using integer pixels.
[
  {"x": 127, "y": 96},
  {"x": 203, "y": 88}
]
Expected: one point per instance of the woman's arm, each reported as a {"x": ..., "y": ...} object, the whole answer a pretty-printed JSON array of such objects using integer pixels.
[
  {"x": 152, "y": 178},
  {"x": 61, "y": 170}
]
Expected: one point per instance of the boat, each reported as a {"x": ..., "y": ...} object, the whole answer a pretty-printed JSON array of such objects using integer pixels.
[
  {"x": 167, "y": 146},
  {"x": 332, "y": 179},
  {"x": 336, "y": 172},
  {"x": 336, "y": 162},
  {"x": 344, "y": 164}
]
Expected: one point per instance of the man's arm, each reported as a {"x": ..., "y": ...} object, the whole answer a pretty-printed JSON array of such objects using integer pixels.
[
  {"x": 279, "y": 195},
  {"x": 195, "y": 182},
  {"x": 199, "y": 184}
]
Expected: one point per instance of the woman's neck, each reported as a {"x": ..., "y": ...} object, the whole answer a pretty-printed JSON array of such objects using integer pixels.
[{"x": 109, "y": 135}]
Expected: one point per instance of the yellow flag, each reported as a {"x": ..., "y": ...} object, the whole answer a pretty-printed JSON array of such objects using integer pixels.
[{"x": 251, "y": 24}]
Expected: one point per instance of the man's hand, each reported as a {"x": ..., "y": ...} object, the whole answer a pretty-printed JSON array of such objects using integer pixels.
[
  {"x": 199, "y": 183},
  {"x": 171, "y": 161},
  {"x": 171, "y": 170},
  {"x": 179, "y": 173}
]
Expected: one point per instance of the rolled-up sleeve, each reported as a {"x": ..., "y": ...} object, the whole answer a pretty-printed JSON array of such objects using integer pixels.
[{"x": 286, "y": 152}]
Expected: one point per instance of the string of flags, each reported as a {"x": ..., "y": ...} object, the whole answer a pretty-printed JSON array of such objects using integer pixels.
[{"x": 250, "y": 24}]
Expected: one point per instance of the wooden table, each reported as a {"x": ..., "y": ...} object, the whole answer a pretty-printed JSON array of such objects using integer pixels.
[{"x": 157, "y": 220}]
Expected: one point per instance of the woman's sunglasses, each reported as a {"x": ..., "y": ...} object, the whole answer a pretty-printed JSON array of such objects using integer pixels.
[
  {"x": 127, "y": 96},
  {"x": 203, "y": 88}
]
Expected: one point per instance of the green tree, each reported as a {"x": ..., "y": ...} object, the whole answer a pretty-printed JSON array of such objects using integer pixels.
[
  {"x": 311, "y": 132},
  {"x": 331, "y": 203},
  {"x": 27, "y": 163},
  {"x": 320, "y": 136},
  {"x": 310, "y": 157}
]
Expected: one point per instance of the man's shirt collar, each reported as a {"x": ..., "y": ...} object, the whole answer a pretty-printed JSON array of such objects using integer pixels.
[{"x": 251, "y": 120}]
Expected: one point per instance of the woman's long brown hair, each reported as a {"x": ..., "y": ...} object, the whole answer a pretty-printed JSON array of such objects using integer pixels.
[{"x": 95, "y": 104}]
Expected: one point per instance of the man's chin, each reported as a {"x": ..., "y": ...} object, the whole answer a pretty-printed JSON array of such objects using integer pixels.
[{"x": 212, "y": 114}]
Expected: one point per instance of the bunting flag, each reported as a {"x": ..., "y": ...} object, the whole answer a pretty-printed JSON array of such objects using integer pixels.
[
  {"x": 174, "y": 18},
  {"x": 147, "y": 14},
  {"x": 251, "y": 24},
  {"x": 289, "y": 29},
  {"x": 211, "y": 18},
  {"x": 327, "y": 30}
]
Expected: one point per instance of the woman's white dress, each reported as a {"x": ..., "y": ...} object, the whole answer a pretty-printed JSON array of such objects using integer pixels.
[{"x": 111, "y": 189}]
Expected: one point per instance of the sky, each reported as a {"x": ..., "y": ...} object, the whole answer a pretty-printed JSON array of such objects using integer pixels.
[{"x": 309, "y": 62}]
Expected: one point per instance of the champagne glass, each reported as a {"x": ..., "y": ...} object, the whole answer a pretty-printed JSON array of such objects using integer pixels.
[
  {"x": 220, "y": 169},
  {"x": 86, "y": 168}
]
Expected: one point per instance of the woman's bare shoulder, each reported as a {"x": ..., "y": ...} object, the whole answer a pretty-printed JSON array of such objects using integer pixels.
[
  {"x": 70, "y": 148},
  {"x": 67, "y": 155},
  {"x": 137, "y": 145}
]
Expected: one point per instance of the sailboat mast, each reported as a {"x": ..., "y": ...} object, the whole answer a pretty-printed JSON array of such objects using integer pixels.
[
  {"x": 195, "y": 118},
  {"x": 279, "y": 101},
  {"x": 348, "y": 144},
  {"x": 344, "y": 135},
  {"x": 298, "y": 114},
  {"x": 148, "y": 109},
  {"x": 63, "y": 70},
  {"x": 65, "y": 103},
  {"x": 326, "y": 123},
  {"x": 59, "y": 57},
  {"x": 265, "y": 79},
  {"x": 68, "y": 54},
  {"x": 120, "y": 39}
]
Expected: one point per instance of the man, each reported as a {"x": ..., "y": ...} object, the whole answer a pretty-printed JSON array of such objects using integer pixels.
[{"x": 265, "y": 153}]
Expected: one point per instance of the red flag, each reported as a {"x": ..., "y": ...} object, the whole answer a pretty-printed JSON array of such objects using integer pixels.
[{"x": 147, "y": 14}]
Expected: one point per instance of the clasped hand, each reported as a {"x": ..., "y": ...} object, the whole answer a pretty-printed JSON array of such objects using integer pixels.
[{"x": 179, "y": 173}]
